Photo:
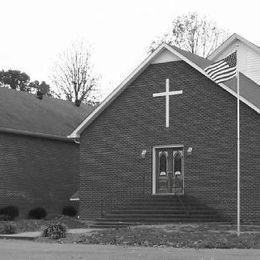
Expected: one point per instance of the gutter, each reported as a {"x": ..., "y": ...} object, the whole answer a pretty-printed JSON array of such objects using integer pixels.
[{"x": 35, "y": 134}]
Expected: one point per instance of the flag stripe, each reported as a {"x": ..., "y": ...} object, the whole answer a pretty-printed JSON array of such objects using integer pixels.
[
  {"x": 224, "y": 79},
  {"x": 231, "y": 74},
  {"x": 218, "y": 70},
  {"x": 213, "y": 67},
  {"x": 224, "y": 69}
]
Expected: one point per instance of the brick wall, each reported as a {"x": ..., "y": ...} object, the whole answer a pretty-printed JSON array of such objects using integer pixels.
[
  {"x": 203, "y": 117},
  {"x": 37, "y": 172}
]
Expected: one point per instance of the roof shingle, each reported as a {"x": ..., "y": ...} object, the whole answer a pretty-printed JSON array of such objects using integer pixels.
[
  {"x": 249, "y": 89},
  {"x": 23, "y": 111}
]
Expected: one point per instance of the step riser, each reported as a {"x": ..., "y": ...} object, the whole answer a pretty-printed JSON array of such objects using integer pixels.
[
  {"x": 167, "y": 207},
  {"x": 160, "y": 202},
  {"x": 137, "y": 219},
  {"x": 162, "y": 205},
  {"x": 179, "y": 213},
  {"x": 163, "y": 211},
  {"x": 161, "y": 217},
  {"x": 115, "y": 224}
]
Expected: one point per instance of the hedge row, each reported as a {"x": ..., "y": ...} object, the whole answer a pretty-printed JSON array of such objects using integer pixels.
[{"x": 12, "y": 212}]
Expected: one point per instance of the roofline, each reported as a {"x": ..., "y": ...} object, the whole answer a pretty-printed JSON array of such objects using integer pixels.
[
  {"x": 226, "y": 43},
  {"x": 37, "y": 135},
  {"x": 117, "y": 91},
  {"x": 85, "y": 123}
]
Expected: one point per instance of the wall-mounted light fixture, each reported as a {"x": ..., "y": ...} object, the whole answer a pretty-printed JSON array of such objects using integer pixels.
[
  {"x": 143, "y": 154},
  {"x": 189, "y": 151}
]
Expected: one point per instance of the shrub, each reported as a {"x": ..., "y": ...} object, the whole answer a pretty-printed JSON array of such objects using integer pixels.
[
  {"x": 11, "y": 211},
  {"x": 53, "y": 216},
  {"x": 55, "y": 231},
  {"x": 4, "y": 218},
  {"x": 7, "y": 228},
  {"x": 69, "y": 211},
  {"x": 37, "y": 213}
]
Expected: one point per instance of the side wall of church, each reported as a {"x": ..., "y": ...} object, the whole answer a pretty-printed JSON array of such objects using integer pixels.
[
  {"x": 113, "y": 173},
  {"x": 248, "y": 60},
  {"x": 36, "y": 172}
]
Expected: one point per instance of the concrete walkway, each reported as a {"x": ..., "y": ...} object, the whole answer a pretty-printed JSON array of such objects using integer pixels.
[
  {"x": 33, "y": 235},
  {"x": 25, "y": 250}
]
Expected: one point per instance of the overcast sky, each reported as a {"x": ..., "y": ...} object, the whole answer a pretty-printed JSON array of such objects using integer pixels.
[{"x": 33, "y": 32}]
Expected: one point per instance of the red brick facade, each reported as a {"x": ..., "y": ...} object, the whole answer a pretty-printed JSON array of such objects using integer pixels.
[
  {"x": 112, "y": 171},
  {"x": 37, "y": 172}
]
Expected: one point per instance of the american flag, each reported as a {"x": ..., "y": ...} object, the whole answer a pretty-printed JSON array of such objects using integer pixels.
[{"x": 224, "y": 69}]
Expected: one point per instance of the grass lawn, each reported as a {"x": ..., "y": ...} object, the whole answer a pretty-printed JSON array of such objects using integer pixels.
[
  {"x": 179, "y": 236},
  {"x": 209, "y": 235}
]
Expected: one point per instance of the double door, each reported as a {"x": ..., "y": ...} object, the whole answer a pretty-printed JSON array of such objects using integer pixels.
[{"x": 169, "y": 171}]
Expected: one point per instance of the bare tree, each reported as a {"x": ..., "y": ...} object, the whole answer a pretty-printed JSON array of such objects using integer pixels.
[
  {"x": 194, "y": 34},
  {"x": 73, "y": 75}
]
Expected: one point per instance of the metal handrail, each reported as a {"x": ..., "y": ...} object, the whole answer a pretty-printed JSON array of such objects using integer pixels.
[{"x": 181, "y": 202}]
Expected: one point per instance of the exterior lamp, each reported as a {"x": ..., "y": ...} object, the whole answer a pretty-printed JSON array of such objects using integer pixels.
[
  {"x": 189, "y": 151},
  {"x": 143, "y": 154}
]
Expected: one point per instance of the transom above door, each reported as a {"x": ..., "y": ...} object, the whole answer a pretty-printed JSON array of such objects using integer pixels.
[{"x": 168, "y": 172}]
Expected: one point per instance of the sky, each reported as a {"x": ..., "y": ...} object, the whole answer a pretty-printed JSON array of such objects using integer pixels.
[{"x": 34, "y": 32}]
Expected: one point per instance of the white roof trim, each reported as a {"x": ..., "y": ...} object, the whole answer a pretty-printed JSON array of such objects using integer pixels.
[
  {"x": 115, "y": 92},
  {"x": 134, "y": 75},
  {"x": 74, "y": 199},
  {"x": 221, "y": 84},
  {"x": 226, "y": 43}
]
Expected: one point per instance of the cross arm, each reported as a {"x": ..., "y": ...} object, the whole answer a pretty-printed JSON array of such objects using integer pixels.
[{"x": 170, "y": 93}]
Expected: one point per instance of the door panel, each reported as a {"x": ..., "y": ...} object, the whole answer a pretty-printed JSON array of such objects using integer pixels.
[{"x": 178, "y": 168}]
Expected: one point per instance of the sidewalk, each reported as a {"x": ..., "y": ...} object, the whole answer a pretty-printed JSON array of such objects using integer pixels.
[{"x": 33, "y": 235}]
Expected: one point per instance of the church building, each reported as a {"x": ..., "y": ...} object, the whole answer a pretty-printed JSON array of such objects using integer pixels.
[
  {"x": 39, "y": 165},
  {"x": 169, "y": 131}
]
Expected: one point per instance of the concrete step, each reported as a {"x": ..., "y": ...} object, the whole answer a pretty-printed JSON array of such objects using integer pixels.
[
  {"x": 113, "y": 224},
  {"x": 159, "y": 215},
  {"x": 120, "y": 225},
  {"x": 160, "y": 209},
  {"x": 161, "y": 219}
]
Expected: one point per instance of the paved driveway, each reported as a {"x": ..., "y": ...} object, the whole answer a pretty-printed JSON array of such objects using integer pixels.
[{"x": 21, "y": 250}]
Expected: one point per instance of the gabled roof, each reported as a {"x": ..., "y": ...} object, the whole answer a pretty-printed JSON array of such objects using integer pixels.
[
  {"x": 249, "y": 89},
  {"x": 193, "y": 60},
  {"x": 22, "y": 112},
  {"x": 234, "y": 37}
]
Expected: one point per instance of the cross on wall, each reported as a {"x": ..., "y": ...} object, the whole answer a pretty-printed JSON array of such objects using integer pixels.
[{"x": 167, "y": 95}]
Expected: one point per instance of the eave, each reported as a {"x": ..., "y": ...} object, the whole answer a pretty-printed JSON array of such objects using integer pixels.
[
  {"x": 85, "y": 123},
  {"x": 35, "y": 134}
]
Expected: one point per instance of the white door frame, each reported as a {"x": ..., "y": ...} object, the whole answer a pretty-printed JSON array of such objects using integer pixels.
[{"x": 154, "y": 166}]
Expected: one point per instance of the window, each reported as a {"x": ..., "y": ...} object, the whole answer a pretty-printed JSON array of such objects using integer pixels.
[
  {"x": 163, "y": 162},
  {"x": 177, "y": 163}
]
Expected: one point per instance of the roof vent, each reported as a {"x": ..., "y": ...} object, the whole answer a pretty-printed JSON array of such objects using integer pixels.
[
  {"x": 77, "y": 102},
  {"x": 39, "y": 94}
]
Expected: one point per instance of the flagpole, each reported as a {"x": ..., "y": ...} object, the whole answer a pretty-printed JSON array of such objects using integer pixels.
[
  {"x": 238, "y": 150},
  {"x": 218, "y": 73}
]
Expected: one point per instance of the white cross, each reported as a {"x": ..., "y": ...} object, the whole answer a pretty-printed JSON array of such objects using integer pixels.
[{"x": 167, "y": 95}]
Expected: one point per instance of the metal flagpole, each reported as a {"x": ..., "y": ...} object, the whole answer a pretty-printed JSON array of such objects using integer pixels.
[{"x": 238, "y": 150}]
